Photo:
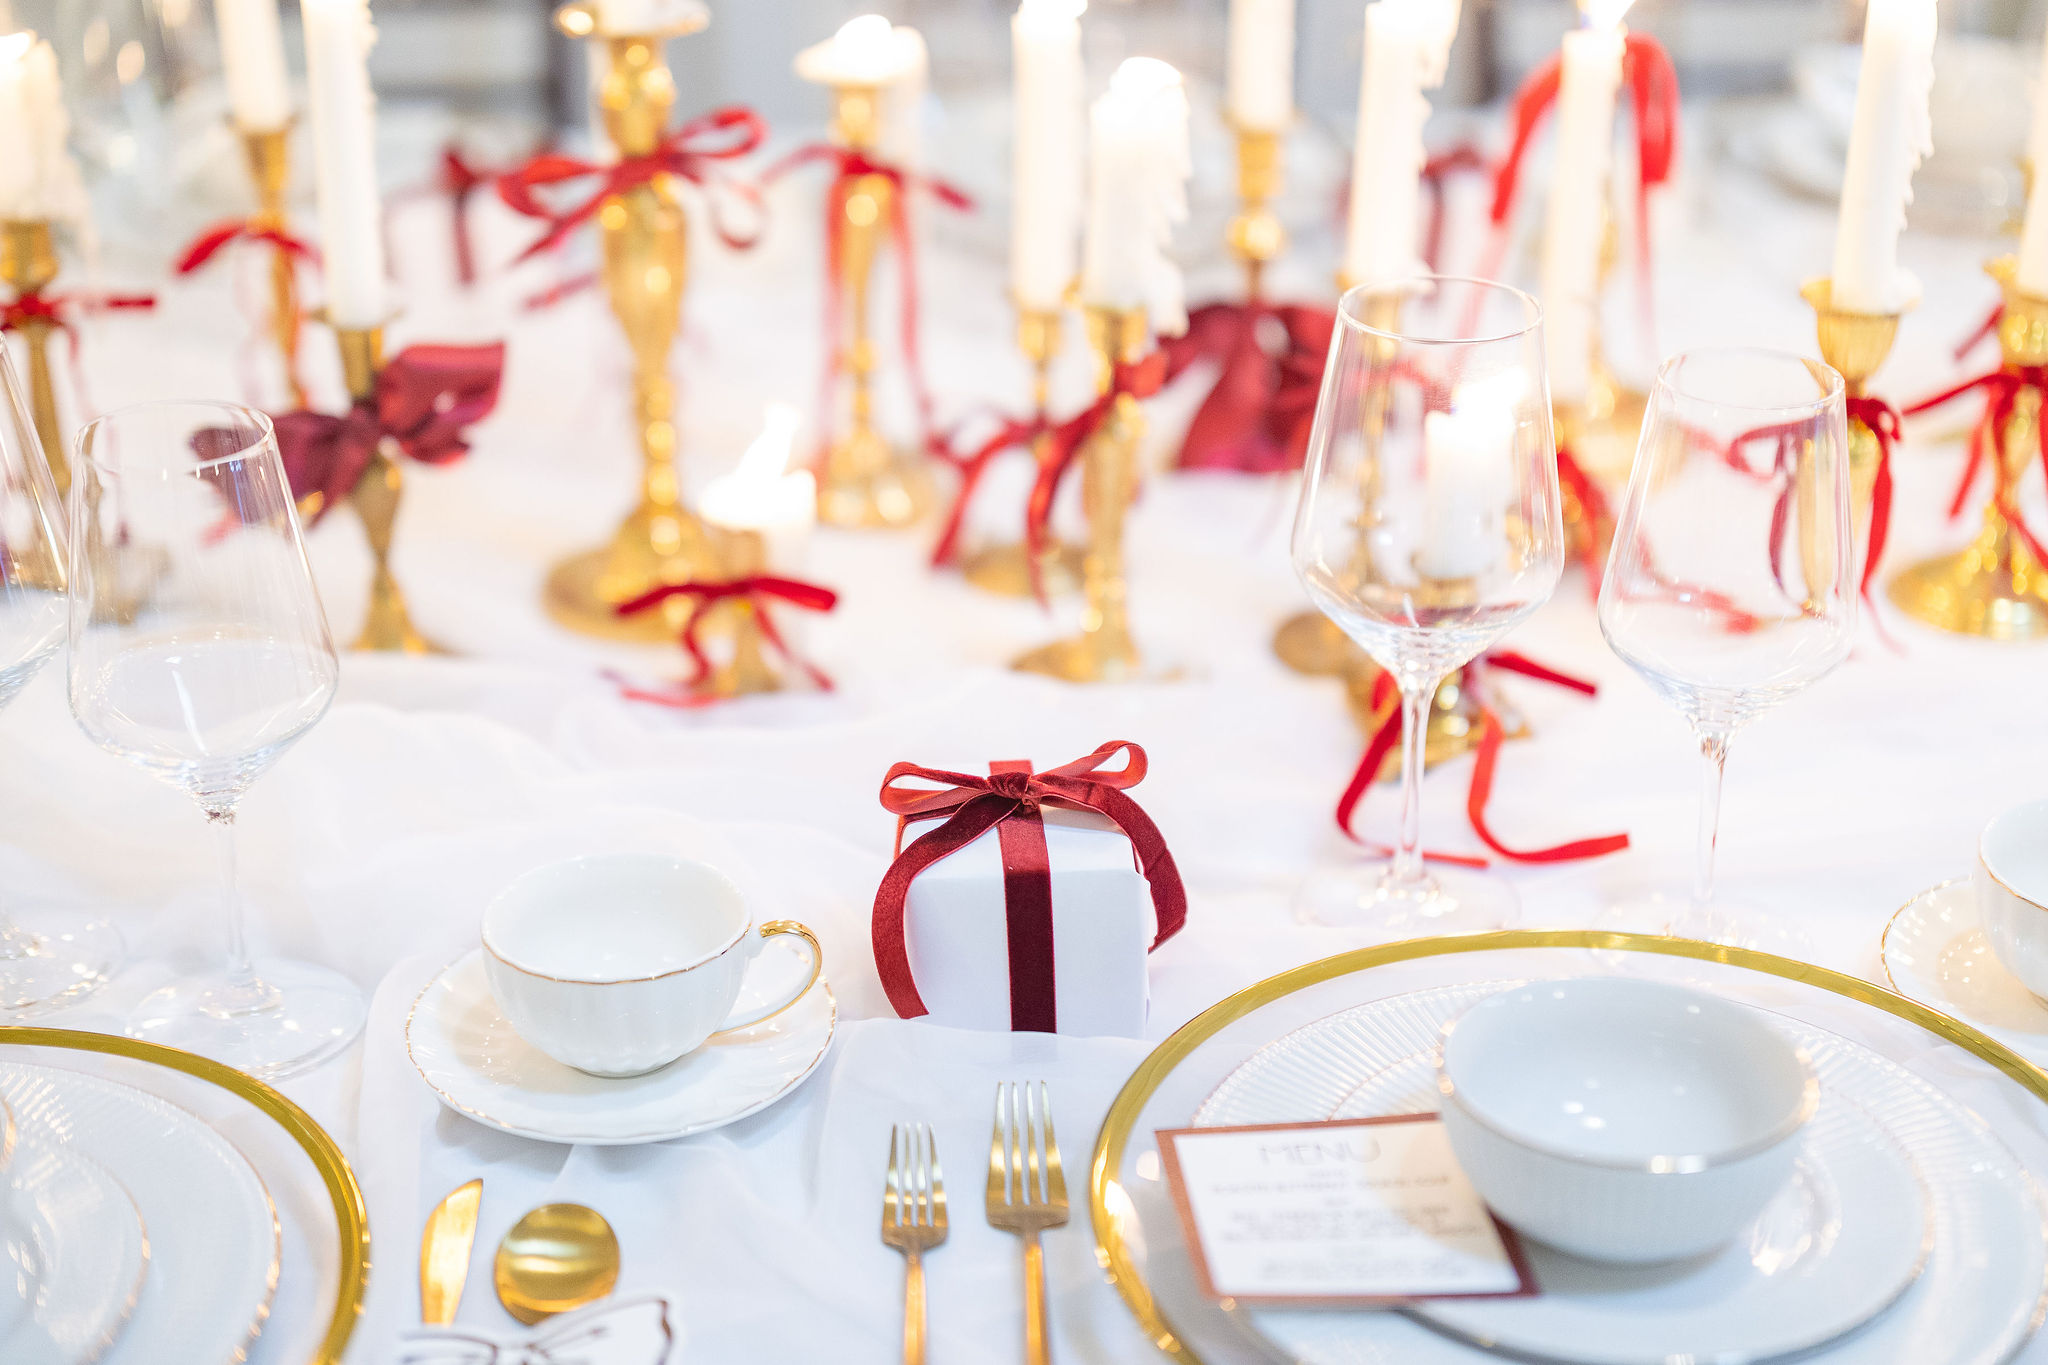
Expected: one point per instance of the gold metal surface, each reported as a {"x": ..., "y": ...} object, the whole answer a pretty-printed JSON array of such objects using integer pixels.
[
  {"x": 1108, "y": 1203},
  {"x": 387, "y": 624},
  {"x": 1453, "y": 728},
  {"x": 557, "y": 1258},
  {"x": 1104, "y": 650},
  {"x": 1606, "y": 425},
  {"x": 913, "y": 1221},
  {"x": 1027, "y": 1193},
  {"x": 1994, "y": 588},
  {"x": 1005, "y": 569},
  {"x": 747, "y": 669},
  {"x": 344, "y": 1195},
  {"x": 268, "y": 152},
  {"x": 1856, "y": 345},
  {"x": 28, "y": 262},
  {"x": 444, "y": 1253},
  {"x": 1255, "y": 234}
]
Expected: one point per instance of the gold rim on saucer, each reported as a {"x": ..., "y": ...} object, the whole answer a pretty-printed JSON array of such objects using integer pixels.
[
  {"x": 1118, "y": 1126},
  {"x": 1884, "y": 940}
]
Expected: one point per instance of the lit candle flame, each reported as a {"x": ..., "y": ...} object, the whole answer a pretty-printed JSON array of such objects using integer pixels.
[
  {"x": 767, "y": 459},
  {"x": 15, "y": 46}
]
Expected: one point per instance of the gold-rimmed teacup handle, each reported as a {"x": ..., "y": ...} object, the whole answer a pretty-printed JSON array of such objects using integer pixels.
[{"x": 771, "y": 929}]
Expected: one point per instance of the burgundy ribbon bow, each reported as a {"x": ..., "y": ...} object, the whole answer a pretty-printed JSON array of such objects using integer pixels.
[
  {"x": 426, "y": 398},
  {"x": 1385, "y": 701},
  {"x": 759, "y": 590},
  {"x": 209, "y": 244},
  {"x": 692, "y": 152},
  {"x": 1140, "y": 379},
  {"x": 1258, "y": 415},
  {"x": 1008, "y": 800}
]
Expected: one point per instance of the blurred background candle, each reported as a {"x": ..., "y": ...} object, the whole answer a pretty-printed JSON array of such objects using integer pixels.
[
  {"x": 1891, "y": 135},
  {"x": 1407, "y": 47},
  {"x": 344, "y": 119},
  {"x": 1468, "y": 462},
  {"x": 864, "y": 52},
  {"x": 1046, "y": 151},
  {"x": 764, "y": 495},
  {"x": 1259, "y": 66},
  {"x": 1137, "y": 190},
  {"x": 252, "y": 57},
  {"x": 1575, "y": 219},
  {"x": 645, "y": 16},
  {"x": 38, "y": 177}
]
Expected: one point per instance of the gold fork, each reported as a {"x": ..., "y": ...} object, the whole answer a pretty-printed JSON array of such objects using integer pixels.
[
  {"x": 913, "y": 1221},
  {"x": 1027, "y": 1194}
]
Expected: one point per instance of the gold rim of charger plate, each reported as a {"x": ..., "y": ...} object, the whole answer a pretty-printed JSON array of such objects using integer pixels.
[
  {"x": 1117, "y": 1126},
  {"x": 346, "y": 1195}
]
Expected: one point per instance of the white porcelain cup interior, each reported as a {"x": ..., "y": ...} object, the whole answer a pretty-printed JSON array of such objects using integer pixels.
[
  {"x": 618, "y": 964},
  {"x": 2011, "y": 883}
]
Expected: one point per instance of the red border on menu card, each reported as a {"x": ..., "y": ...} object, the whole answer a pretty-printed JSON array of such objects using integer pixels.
[{"x": 1510, "y": 1241}]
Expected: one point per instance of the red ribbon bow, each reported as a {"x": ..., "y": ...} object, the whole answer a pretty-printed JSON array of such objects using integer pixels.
[
  {"x": 1388, "y": 734},
  {"x": 426, "y": 397},
  {"x": 2002, "y": 387},
  {"x": 692, "y": 152},
  {"x": 1258, "y": 415},
  {"x": 1008, "y": 800},
  {"x": 1140, "y": 379},
  {"x": 35, "y": 306},
  {"x": 209, "y": 243},
  {"x": 759, "y": 590}
]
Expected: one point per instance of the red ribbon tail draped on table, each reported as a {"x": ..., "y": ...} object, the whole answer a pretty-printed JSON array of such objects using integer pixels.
[
  {"x": 759, "y": 591},
  {"x": 2002, "y": 388},
  {"x": 1140, "y": 379},
  {"x": 1486, "y": 760},
  {"x": 1009, "y": 800},
  {"x": 1258, "y": 413}
]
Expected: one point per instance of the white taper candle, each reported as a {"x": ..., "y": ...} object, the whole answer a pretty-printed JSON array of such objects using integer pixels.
[
  {"x": 1890, "y": 136},
  {"x": 344, "y": 121},
  {"x": 1047, "y": 153}
]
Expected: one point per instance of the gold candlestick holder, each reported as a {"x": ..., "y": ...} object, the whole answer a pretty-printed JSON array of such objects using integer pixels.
[
  {"x": 1606, "y": 424},
  {"x": 28, "y": 262},
  {"x": 864, "y": 482},
  {"x": 387, "y": 625},
  {"x": 1855, "y": 344},
  {"x": 1255, "y": 235},
  {"x": 1451, "y": 731},
  {"x": 1104, "y": 650},
  {"x": 643, "y": 240},
  {"x": 1995, "y": 588},
  {"x": 269, "y": 156},
  {"x": 1006, "y": 569},
  {"x": 747, "y": 670}
]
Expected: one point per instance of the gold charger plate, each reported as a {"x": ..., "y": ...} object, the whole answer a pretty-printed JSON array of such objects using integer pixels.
[
  {"x": 346, "y": 1196},
  {"x": 1109, "y": 1203}
]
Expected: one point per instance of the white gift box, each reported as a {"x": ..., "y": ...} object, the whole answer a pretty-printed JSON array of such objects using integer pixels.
[{"x": 956, "y": 929}]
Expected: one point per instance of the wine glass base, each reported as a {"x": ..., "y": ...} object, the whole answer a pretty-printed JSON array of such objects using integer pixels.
[
  {"x": 1366, "y": 896},
  {"x": 1732, "y": 926},
  {"x": 56, "y": 961},
  {"x": 287, "y": 1018}
]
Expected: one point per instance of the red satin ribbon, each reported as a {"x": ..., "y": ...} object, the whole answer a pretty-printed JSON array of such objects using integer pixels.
[
  {"x": 1984, "y": 330},
  {"x": 759, "y": 590},
  {"x": 426, "y": 398},
  {"x": 34, "y": 306},
  {"x": 2002, "y": 387},
  {"x": 972, "y": 465},
  {"x": 1463, "y": 157},
  {"x": 692, "y": 152},
  {"x": 1258, "y": 414},
  {"x": 1012, "y": 793},
  {"x": 209, "y": 243},
  {"x": 1883, "y": 420},
  {"x": 459, "y": 181},
  {"x": 1597, "y": 515},
  {"x": 1063, "y": 442},
  {"x": 1487, "y": 758}
]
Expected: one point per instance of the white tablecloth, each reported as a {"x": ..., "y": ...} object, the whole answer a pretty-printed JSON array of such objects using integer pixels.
[{"x": 373, "y": 845}]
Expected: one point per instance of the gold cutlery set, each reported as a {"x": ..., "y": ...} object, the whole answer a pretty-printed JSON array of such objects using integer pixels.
[{"x": 557, "y": 1258}]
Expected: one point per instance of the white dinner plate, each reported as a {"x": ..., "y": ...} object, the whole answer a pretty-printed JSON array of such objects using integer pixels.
[
  {"x": 1934, "y": 951},
  {"x": 79, "y": 1251},
  {"x": 480, "y": 1066},
  {"x": 1975, "y": 1300},
  {"x": 213, "y": 1234}
]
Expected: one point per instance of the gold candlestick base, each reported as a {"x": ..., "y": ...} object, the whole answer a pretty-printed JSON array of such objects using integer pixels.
[
  {"x": 1005, "y": 570},
  {"x": 268, "y": 152},
  {"x": 1256, "y": 235},
  {"x": 387, "y": 625},
  {"x": 28, "y": 263},
  {"x": 1309, "y": 642},
  {"x": 1995, "y": 589},
  {"x": 656, "y": 544},
  {"x": 868, "y": 485},
  {"x": 1453, "y": 728}
]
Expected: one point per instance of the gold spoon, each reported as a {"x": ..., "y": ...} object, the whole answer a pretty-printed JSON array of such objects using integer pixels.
[{"x": 558, "y": 1257}]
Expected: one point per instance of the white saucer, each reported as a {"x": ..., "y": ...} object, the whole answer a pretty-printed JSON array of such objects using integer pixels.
[
  {"x": 480, "y": 1067},
  {"x": 1934, "y": 951},
  {"x": 81, "y": 1256}
]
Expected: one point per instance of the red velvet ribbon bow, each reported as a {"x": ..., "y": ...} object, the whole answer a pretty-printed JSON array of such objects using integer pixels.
[
  {"x": 1008, "y": 801},
  {"x": 1385, "y": 700},
  {"x": 758, "y": 590},
  {"x": 426, "y": 398},
  {"x": 1258, "y": 415},
  {"x": 1140, "y": 379},
  {"x": 2002, "y": 388},
  {"x": 209, "y": 244},
  {"x": 692, "y": 152}
]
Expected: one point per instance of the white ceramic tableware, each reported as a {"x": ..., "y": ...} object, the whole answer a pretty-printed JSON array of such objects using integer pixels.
[
  {"x": 85, "y": 1248},
  {"x": 1935, "y": 951},
  {"x": 471, "y": 1057},
  {"x": 617, "y": 964},
  {"x": 1622, "y": 1120},
  {"x": 2011, "y": 879}
]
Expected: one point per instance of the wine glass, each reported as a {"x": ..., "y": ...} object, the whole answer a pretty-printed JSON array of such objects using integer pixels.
[
  {"x": 1730, "y": 585},
  {"x": 200, "y": 653},
  {"x": 54, "y": 960},
  {"x": 1428, "y": 526}
]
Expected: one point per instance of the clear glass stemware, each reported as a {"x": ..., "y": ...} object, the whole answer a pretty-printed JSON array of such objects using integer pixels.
[
  {"x": 1428, "y": 526},
  {"x": 200, "y": 652}
]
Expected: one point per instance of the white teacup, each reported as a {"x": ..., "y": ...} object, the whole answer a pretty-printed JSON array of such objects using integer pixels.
[
  {"x": 617, "y": 964},
  {"x": 2011, "y": 878}
]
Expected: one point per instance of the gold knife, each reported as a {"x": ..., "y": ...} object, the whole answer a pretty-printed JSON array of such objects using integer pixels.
[{"x": 444, "y": 1253}]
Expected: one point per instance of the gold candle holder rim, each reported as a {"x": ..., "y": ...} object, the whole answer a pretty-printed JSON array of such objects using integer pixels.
[
  {"x": 1818, "y": 292},
  {"x": 581, "y": 19}
]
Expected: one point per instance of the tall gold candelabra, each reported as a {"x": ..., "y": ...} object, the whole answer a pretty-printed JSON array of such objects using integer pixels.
[
  {"x": 1255, "y": 235},
  {"x": 643, "y": 239},
  {"x": 1995, "y": 588},
  {"x": 1005, "y": 569},
  {"x": 28, "y": 262},
  {"x": 387, "y": 625},
  {"x": 864, "y": 481},
  {"x": 268, "y": 154},
  {"x": 1855, "y": 344}
]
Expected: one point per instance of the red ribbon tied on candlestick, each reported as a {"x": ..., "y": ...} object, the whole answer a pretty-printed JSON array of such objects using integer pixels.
[
  {"x": 1008, "y": 800},
  {"x": 759, "y": 590},
  {"x": 1486, "y": 760},
  {"x": 692, "y": 152},
  {"x": 426, "y": 398},
  {"x": 1436, "y": 172},
  {"x": 1596, "y": 516},
  {"x": 1139, "y": 379},
  {"x": 1258, "y": 415},
  {"x": 2002, "y": 388},
  {"x": 210, "y": 242},
  {"x": 35, "y": 306}
]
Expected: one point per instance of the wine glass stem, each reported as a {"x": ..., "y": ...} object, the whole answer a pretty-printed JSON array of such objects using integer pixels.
[
  {"x": 223, "y": 823},
  {"x": 1714, "y": 749},
  {"x": 1415, "y": 703}
]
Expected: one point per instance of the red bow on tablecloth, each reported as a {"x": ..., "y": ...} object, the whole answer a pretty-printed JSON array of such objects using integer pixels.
[
  {"x": 1008, "y": 801},
  {"x": 426, "y": 397},
  {"x": 1257, "y": 417},
  {"x": 692, "y": 152},
  {"x": 1386, "y": 705},
  {"x": 2002, "y": 387},
  {"x": 760, "y": 590}
]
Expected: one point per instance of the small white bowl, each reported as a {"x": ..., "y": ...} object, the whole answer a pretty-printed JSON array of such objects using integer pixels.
[{"x": 1622, "y": 1120}]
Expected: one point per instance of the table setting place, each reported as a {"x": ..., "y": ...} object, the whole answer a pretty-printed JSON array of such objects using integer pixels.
[{"x": 1140, "y": 809}]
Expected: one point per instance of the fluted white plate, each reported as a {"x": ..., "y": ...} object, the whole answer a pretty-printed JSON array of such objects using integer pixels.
[
  {"x": 1934, "y": 951},
  {"x": 78, "y": 1255},
  {"x": 213, "y": 1234},
  {"x": 1809, "y": 1273},
  {"x": 479, "y": 1065}
]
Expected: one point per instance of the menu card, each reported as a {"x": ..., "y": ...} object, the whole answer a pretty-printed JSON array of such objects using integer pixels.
[{"x": 1348, "y": 1212}]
